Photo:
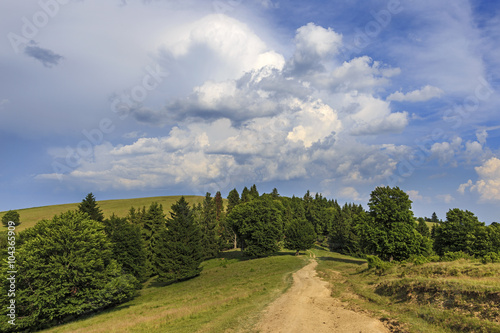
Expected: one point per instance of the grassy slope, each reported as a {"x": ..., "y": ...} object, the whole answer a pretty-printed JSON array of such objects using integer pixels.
[
  {"x": 227, "y": 297},
  {"x": 460, "y": 296},
  {"x": 30, "y": 216}
]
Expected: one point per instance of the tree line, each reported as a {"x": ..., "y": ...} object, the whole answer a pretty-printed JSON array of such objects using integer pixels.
[{"x": 79, "y": 263}]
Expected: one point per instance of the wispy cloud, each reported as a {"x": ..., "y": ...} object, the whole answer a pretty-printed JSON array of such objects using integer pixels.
[
  {"x": 47, "y": 57},
  {"x": 420, "y": 95}
]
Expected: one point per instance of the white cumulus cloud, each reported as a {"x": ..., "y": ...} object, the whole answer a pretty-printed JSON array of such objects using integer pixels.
[
  {"x": 488, "y": 184},
  {"x": 420, "y": 95}
]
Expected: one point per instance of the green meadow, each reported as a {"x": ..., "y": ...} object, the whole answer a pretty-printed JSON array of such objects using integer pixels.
[
  {"x": 30, "y": 216},
  {"x": 227, "y": 297}
]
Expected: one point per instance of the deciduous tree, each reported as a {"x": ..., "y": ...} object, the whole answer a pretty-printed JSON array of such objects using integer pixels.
[
  {"x": 299, "y": 235},
  {"x": 259, "y": 226},
  {"x": 66, "y": 270},
  {"x": 11, "y": 215}
]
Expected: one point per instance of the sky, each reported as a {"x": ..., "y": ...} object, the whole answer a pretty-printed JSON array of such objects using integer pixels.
[{"x": 129, "y": 98}]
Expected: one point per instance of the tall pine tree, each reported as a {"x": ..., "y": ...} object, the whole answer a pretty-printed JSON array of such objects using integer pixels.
[
  {"x": 233, "y": 199},
  {"x": 245, "y": 195},
  {"x": 209, "y": 228},
  {"x": 154, "y": 223},
  {"x": 89, "y": 206},
  {"x": 128, "y": 246},
  {"x": 178, "y": 251}
]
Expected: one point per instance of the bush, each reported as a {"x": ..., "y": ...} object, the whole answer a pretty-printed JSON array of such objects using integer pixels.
[
  {"x": 419, "y": 260},
  {"x": 491, "y": 257},
  {"x": 453, "y": 256},
  {"x": 378, "y": 264}
]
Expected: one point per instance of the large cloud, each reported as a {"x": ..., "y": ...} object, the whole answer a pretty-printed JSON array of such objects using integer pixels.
[
  {"x": 256, "y": 116},
  {"x": 488, "y": 184}
]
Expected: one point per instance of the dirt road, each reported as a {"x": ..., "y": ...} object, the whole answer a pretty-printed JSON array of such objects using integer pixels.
[{"x": 308, "y": 307}]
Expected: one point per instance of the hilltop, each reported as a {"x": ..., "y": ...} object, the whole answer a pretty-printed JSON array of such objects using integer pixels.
[{"x": 120, "y": 207}]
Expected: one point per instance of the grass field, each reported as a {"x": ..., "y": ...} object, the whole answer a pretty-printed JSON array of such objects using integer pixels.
[
  {"x": 459, "y": 296},
  {"x": 30, "y": 216},
  {"x": 227, "y": 297}
]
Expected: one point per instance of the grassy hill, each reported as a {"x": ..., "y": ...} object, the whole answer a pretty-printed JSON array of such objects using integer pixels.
[
  {"x": 227, "y": 297},
  {"x": 30, "y": 216}
]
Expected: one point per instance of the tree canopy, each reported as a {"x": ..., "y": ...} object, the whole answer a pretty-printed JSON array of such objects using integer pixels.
[
  {"x": 67, "y": 270},
  {"x": 259, "y": 226},
  {"x": 11, "y": 215},
  {"x": 389, "y": 228}
]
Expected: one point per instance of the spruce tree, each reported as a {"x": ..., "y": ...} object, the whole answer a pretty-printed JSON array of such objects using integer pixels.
[
  {"x": 245, "y": 195},
  {"x": 89, "y": 206},
  {"x": 254, "y": 194},
  {"x": 422, "y": 228},
  {"x": 233, "y": 199},
  {"x": 178, "y": 251},
  {"x": 434, "y": 218},
  {"x": 154, "y": 223},
  {"x": 128, "y": 246},
  {"x": 219, "y": 205},
  {"x": 208, "y": 226}
]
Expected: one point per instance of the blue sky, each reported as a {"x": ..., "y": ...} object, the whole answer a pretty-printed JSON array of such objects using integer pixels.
[{"x": 144, "y": 98}]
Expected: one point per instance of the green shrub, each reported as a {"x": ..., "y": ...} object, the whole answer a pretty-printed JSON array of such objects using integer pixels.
[
  {"x": 491, "y": 257},
  {"x": 453, "y": 256},
  {"x": 419, "y": 260},
  {"x": 378, "y": 264}
]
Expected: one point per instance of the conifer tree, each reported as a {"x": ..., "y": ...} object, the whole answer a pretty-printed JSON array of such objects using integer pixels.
[
  {"x": 128, "y": 246},
  {"x": 422, "y": 228},
  {"x": 178, "y": 251},
  {"x": 208, "y": 226},
  {"x": 233, "y": 199},
  {"x": 245, "y": 195},
  {"x": 219, "y": 205},
  {"x": 254, "y": 194},
  {"x": 89, "y": 206},
  {"x": 434, "y": 217},
  {"x": 137, "y": 216},
  {"x": 154, "y": 223},
  {"x": 229, "y": 235}
]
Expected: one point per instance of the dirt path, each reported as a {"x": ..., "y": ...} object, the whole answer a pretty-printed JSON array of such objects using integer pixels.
[{"x": 308, "y": 307}]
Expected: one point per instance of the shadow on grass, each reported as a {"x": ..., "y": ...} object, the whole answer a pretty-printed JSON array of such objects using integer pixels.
[
  {"x": 159, "y": 284},
  {"x": 344, "y": 260}
]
